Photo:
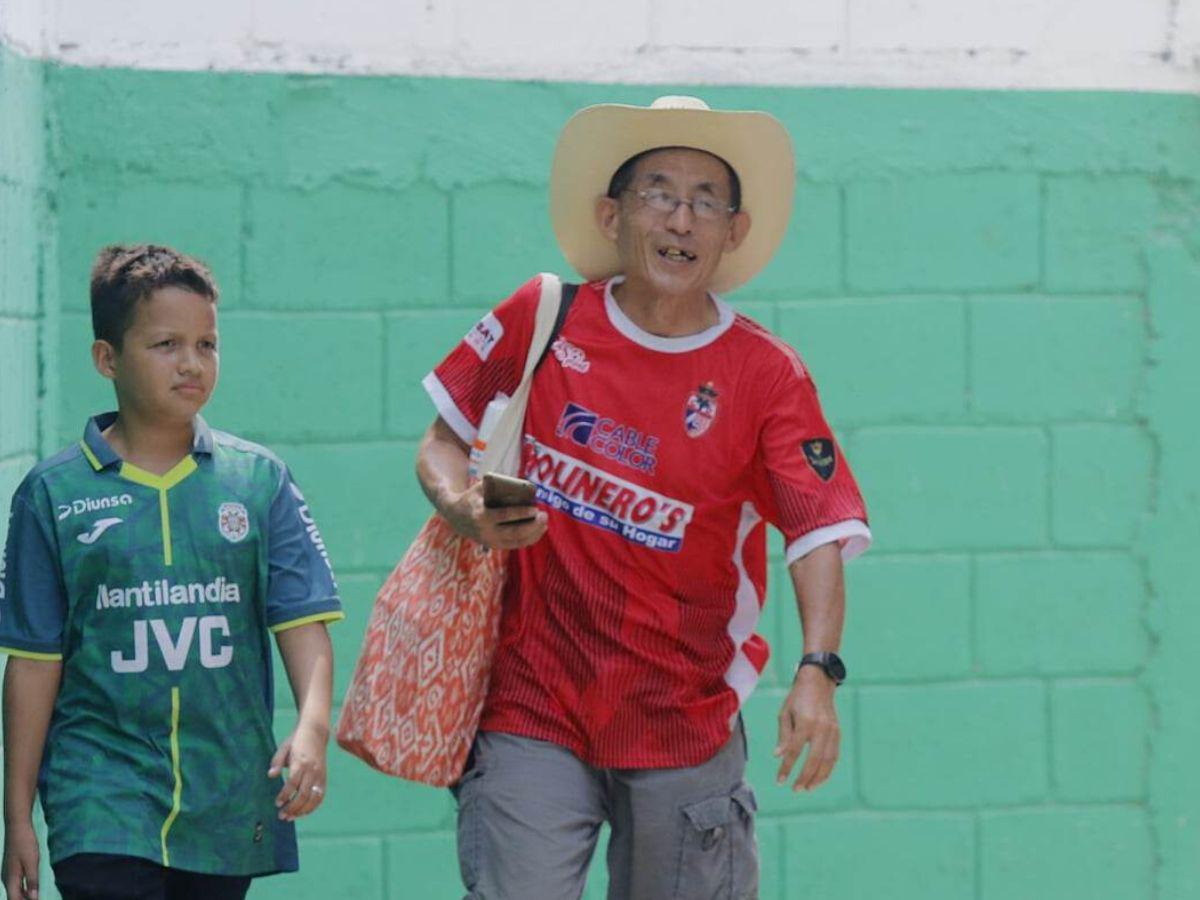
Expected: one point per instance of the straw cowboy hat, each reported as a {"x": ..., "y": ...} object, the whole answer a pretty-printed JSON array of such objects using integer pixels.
[{"x": 597, "y": 139}]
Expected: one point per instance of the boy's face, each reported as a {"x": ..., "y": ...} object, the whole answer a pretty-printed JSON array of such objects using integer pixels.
[{"x": 167, "y": 366}]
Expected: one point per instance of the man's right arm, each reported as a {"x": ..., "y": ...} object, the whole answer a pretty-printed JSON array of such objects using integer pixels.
[
  {"x": 442, "y": 472},
  {"x": 30, "y": 687}
]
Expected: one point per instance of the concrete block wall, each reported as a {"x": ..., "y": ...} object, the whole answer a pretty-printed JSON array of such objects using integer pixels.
[
  {"x": 27, "y": 323},
  {"x": 990, "y": 327},
  {"x": 994, "y": 288},
  {"x": 23, "y": 220}
]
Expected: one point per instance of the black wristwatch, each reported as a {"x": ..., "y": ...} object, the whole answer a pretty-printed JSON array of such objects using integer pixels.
[{"x": 831, "y": 663}]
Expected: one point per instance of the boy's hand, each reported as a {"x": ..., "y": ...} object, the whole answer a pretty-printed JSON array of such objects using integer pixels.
[
  {"x": 303, "y": 754},
  {"x": 20, "y": 862}
]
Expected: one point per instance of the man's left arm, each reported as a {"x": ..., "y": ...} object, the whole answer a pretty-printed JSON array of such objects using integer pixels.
[{"x": 809, "y": 715}]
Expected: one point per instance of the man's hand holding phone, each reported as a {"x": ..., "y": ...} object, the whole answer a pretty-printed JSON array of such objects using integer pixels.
[
  {"x": 499, "y": 511},
  {"x": 506, "y": 492}
]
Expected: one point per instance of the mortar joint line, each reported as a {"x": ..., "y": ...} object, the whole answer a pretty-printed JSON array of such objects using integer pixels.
[
  {"x": 1052, "y": 786},
  {"x": 973, "y": 615},
  {"x": 1043, "y": 232},
  {"x": 859, "y": 792},
  {"x": 968, "y": 356},
  {"x": 246, "y": 232},
  {"x": 46, "y": 195},
  {"x": 451, "y": 249},
  {"x": 978, "y": 841},
  {"x": 844, "y": 238},
  {"x": 1150, "y": 602},
  {"x": 1052, "y": 542},
  {"x": 384, "y": 367}
]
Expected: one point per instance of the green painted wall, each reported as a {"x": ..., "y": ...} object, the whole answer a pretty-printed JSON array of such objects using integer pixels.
[
  {"x": 23, "y": 225},
  {"x": 27, "y": 318},
  {"x": 997, "y": 293}
]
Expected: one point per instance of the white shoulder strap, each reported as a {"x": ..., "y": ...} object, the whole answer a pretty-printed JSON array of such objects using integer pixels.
[
  {"x": 543, "y": 323},
  {"x": 503, "y": 451}
]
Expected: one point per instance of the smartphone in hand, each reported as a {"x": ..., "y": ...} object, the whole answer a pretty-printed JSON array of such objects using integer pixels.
[{"x": 500, "y": 491}]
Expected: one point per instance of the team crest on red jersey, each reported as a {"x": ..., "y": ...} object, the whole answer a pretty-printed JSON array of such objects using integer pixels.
[{"x": 701, "y": 410}]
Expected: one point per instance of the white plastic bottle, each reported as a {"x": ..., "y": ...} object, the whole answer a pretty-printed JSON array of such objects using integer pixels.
[{"x": 491, "y": 416}]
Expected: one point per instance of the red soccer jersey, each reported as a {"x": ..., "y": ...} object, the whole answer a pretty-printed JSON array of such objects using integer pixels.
[{"x": 628, "y": 631}]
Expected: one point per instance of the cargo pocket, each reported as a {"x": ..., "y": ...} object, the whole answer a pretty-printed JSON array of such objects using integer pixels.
[{"x": 718, "y": 857}]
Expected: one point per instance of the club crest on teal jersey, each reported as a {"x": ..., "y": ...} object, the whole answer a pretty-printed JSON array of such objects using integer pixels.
[{"x": 233, "y": 521}]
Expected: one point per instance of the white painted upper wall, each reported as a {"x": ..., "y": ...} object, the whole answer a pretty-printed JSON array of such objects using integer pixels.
[
  {"x": 1109, "y": 44},
  {"x": 22, "y": 25}
]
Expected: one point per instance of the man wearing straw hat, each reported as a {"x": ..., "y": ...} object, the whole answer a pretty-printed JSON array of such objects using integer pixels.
[{"x": 663, "y": 432}]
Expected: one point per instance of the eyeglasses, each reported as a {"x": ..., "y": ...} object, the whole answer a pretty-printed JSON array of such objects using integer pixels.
[{"x": 706, "y": 208}]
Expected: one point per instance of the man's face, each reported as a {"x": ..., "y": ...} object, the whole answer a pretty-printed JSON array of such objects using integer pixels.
[
  {"x": 167, "y": 366},
  {"x": 676, "y": 252}
]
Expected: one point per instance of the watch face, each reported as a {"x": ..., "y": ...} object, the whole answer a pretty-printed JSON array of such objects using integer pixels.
[{"x": 836, "y": 668}]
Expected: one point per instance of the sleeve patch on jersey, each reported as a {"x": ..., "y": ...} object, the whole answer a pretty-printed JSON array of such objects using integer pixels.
[
  {"x": 821, "y": 454},
  {"x": 484, "y": 336}
]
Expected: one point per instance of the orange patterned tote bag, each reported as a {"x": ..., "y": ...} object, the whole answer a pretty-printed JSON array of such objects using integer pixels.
[{"x": 417, "y": 692}]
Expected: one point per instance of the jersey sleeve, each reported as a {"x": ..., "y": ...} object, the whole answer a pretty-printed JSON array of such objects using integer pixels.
[
  {"x": 488, "y": 360},
  {"x": 300, "y": 586},
  {"x": 33, "y": 600},
  {"x": 805, "y": 483}
]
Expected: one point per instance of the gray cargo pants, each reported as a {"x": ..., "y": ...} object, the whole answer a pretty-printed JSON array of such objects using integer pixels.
[{"x": 529, "y": 814}]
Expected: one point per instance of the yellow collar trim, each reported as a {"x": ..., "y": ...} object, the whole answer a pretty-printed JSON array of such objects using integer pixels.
[
  {"x": 164, "y": 482},
  {"x": 91, "y": 457}
]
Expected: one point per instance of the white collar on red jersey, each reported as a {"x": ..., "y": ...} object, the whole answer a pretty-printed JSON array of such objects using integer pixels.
[{"x": 625, "y": 325}]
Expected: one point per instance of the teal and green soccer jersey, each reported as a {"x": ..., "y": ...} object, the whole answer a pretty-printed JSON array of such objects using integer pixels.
[{"x": 159, "y": 593}]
